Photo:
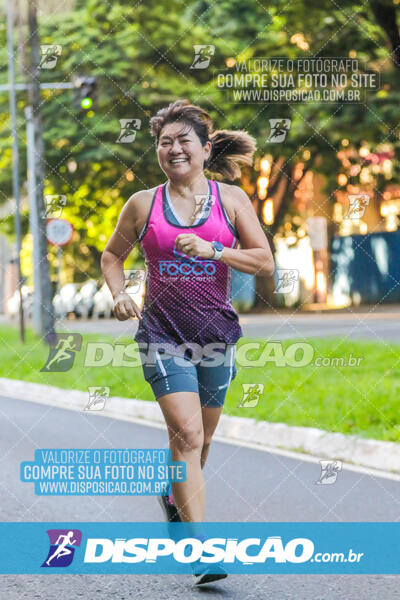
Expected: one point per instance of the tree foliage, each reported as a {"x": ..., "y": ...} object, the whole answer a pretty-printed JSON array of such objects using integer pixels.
[{"x": 141, "y": 55}]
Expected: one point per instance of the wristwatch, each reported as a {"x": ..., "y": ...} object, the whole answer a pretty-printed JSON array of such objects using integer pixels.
[{"x": 218, "y": 248}]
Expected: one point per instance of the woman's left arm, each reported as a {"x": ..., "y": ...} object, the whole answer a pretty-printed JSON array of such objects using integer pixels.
[{"x": 254, "y": 255}]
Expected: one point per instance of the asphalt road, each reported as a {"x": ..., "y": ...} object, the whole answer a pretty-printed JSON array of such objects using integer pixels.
[
  {"x": 372, "y": 323},
  {"x": 380, "y": 323},
  {"x": 242, "y": 484}
]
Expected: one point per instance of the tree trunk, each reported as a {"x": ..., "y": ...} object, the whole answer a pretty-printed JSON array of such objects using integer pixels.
[
  {"x": 47, "y": 320},
  {"x": 385, "y": 15},
  {"x": 282, "y": 188},
  {"x": 21, "y": 40}
]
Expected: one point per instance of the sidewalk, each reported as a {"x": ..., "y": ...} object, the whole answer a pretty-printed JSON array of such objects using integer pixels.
[
  {"x": 328, "y": 309},
  {"x": 373, "y": 454}
]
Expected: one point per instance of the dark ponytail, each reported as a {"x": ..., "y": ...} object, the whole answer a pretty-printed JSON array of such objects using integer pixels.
[{"x": 230, "y": 149}]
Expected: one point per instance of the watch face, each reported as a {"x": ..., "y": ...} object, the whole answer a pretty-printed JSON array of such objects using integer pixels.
[{"x": 218, "y": 246}]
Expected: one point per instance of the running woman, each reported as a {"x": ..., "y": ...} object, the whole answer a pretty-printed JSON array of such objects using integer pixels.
[{"x": 189, "y": 228}]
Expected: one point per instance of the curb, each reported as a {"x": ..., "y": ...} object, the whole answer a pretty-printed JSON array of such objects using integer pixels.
[{"x": 375, "y": 454}]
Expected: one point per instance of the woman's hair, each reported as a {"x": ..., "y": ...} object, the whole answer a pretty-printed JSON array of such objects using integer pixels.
[{"x": 230, "y": 149}]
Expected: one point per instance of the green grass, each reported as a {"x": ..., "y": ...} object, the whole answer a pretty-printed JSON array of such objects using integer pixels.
[{"x": 362, "y": 400}]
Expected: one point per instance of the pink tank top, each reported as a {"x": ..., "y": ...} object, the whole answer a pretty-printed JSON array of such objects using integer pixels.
[{"x": 187, "y": 299}]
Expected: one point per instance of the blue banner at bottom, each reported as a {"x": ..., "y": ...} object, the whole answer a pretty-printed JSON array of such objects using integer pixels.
[{"x": 146, "y": 548}]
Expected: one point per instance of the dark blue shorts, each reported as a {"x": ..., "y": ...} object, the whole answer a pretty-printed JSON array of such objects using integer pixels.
[{"x": 210, "y": 377}]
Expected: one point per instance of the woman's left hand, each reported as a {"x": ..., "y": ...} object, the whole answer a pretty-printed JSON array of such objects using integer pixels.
[{"x": 193, "y": 245}]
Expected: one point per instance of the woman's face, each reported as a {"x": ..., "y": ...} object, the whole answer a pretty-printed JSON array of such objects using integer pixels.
[{"x": 180, "y": 152}]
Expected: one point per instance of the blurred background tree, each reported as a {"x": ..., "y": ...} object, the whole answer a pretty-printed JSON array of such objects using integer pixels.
[{"x": 141, "y": 57}]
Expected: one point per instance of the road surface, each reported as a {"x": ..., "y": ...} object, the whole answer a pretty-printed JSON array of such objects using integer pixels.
[
  {"x": 374, "y": 324},
  {"x": 242, "y": 484}
]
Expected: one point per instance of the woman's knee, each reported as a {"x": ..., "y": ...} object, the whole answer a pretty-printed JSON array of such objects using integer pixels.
[{"x": 188, "y": 438}]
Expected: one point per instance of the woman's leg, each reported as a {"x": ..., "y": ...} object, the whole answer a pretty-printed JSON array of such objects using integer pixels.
[
  {"x": 214, "y": 383},
  {"x": 211, "y": 417},
  {"x": 183, "y": 416}
]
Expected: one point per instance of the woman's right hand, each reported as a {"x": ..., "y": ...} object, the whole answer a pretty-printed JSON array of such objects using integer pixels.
[{"x": 125, "y": 307}]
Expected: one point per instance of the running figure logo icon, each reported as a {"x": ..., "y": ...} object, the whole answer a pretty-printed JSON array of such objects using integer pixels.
[
  {"x": 54, "y": 205},
  {"x": 62, "y": 352},
  {"x": 286, "y": 280},
  {"x": 49, "y": 55},
  {"x": 251, "y": 394},
  {"x": 329, "y": 471},
  {"x": 134, "y": 280},
  {"x": 203, "y": 205},
  {"x": 357, "y": 205},
  {"x": 129, "y": 127},
  {"x": 279, "y": 130},
  {"x": 202, "y": 55},
  {"x": 62, "y": 547},
  {"x": 98, "y": 396}
]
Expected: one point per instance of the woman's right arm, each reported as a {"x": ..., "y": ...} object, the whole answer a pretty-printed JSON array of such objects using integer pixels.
[{"x": 114, "y": 256}]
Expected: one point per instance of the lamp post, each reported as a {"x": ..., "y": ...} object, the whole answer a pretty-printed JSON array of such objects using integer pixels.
[{"x": 15, "y": 160}]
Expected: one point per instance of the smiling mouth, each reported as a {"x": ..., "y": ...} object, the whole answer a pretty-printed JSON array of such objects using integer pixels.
[{"x": 177, "y": 161}]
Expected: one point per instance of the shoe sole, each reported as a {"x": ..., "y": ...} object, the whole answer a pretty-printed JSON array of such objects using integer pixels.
[{"x": 209, "y": 577}]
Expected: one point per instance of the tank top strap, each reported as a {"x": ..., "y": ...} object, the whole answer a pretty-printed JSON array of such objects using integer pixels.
[
  {"x": 155, "y": 212},
  {"x": 214, "y": 191},
  {"x": 220, "y": 209}
]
